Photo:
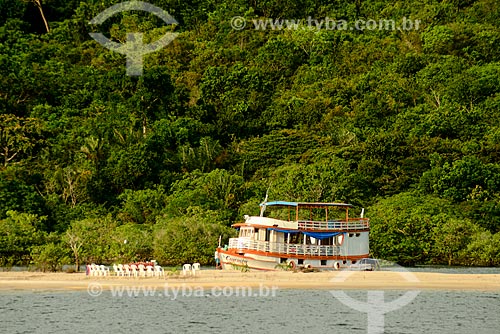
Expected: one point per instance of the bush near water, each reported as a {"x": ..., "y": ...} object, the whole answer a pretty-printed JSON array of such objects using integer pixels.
[{"x": 97, "y": 166}]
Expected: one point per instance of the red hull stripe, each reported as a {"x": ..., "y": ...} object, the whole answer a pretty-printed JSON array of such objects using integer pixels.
[{"x": 281, "y": 255}]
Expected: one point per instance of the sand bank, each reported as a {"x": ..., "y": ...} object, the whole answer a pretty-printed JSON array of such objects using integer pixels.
[{"x": 284, "y": 280}]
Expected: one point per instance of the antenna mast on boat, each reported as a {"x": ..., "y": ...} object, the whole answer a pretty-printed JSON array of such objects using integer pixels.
[{"x": 263, "y": 204}]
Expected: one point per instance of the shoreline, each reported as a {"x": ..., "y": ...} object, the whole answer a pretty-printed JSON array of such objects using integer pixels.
[{"x": 206, "y": 279}]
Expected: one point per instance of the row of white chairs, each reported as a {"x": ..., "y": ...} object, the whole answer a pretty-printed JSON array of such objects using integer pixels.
[
  {"x": 97, "y": 270},
  {"x": 139, "y": 270},
  {"x": 190, "y": 269}
]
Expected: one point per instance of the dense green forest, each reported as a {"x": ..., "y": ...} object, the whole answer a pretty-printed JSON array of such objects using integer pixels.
[{"x": 405, "y": 123}]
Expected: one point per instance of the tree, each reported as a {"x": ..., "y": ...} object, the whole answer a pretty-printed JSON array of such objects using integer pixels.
[
  {"x": 88, "y": 239},
  {"x": 18, "y": 192},
  {"x": 19, "y": 234},
  {"x": 131, "y": 242},
  {"x": 402, "y": 226},
  {"x": 50, "y": 256},
  {"x": 75, "y": 241},
  {"x": 142, "y": 206},
  {"x": 484, "y": 249},
  {"x": 18, "y": 136},
  {"x": 189, "y": 238},
  {"x": 465, "y": 179},
  {"x": 451, "y": 240},
  {"x": 219, "y": 190},
  {"x": 220, "y": 116}
]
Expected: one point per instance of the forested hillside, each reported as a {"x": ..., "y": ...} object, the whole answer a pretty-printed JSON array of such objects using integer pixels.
[{"x": 402, "y": 122}]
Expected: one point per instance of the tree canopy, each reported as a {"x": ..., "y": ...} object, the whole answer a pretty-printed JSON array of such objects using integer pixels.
[{"x": 403, "y": 122}]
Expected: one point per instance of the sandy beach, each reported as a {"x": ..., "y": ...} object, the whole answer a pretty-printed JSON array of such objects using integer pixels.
[{"x": 379, "y": 280}]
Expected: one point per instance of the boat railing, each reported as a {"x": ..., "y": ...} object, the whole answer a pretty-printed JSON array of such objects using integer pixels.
[
  {"x": 351, "y": 224},
  {"x": 283, "y": 248}
]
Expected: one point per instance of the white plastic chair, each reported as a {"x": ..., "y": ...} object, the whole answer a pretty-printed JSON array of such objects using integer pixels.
[
  {"x": 150, "y": 271},
  {"x": 117, "y": 269},
  {"x": 104, "y": 270},
  {"x": 120, "y": 270},
  {"x": 94, "y": 270},
  {"x": 133, "y": 270},
  {"x": 142, "y": 270},
  {"x": 159, "y": 271},
  {"x": 186, "y": 269},
  {"x": 196, "y": 266},
  {"x": 126, "y": 270}
]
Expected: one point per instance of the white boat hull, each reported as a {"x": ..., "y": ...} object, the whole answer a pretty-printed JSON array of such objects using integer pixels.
[{"x": 235, "y": 261}]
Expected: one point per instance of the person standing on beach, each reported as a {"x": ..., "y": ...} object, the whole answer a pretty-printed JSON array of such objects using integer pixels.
[{"x": 217, "y": 260}]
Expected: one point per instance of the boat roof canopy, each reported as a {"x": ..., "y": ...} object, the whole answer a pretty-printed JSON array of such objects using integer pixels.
[{"x": 305, "y": 204}]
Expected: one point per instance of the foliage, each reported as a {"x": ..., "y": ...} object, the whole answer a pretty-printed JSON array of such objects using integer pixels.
[
  {"x": 402, "y": 227},
  {"x": 142, "y": 206},
  {"x": 451, "y": 240},
  {"x": 284, "y": 267},
  {"x": 465, "y": 179},
  {"x": 19, "y": 234},
  {"x": 189, "y": 238},
  {"x": 49, "y": 257},
  {"x": 217, "y": 190},
  {"x": 89, "y": 239},
  {"x": 403, "y": 122},
  {"x": 484, "y": 249},
  {"x": 131, "y": 243}
]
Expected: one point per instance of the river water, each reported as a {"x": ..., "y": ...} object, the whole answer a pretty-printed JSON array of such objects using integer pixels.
[{"x": 278, "y": 311}]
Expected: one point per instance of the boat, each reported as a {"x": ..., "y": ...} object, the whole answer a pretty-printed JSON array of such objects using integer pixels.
[{"x": 297, "y": 235}]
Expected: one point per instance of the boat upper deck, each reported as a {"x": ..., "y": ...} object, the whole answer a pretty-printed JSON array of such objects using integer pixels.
[
  {"x": 352, "y": 224},
  {"x": 307, "y": 216},
  {"x": 335, "y": 225},
  {"x": 305, "y": 205}
]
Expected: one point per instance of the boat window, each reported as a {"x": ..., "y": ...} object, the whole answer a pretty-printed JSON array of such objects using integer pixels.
[
  {"x": 328, "y": 241},
  {"x": 296, "y": 238},
  {"x": 246, "y": 232}
]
